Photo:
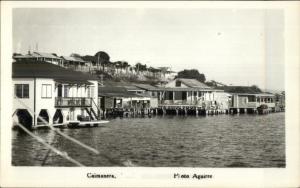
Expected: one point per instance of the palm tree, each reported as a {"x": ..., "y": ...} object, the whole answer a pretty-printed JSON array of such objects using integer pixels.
[
  {"x": 117, "y": 65},
  {"x": 125, "y": 66},
  {"x": 137, "y": 67},
  {"x": 102, "y": 59}
]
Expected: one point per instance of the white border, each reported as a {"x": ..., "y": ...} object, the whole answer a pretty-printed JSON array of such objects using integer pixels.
[{"x": 132, "y": 176}]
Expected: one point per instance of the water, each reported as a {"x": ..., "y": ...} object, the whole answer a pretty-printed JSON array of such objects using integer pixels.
[{"x": 169, "y": 141}]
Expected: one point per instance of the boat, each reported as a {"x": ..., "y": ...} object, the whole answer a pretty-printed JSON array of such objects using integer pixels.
[
  {"x": 82, "y": 124},
  {"x": 263, "y": 109}
]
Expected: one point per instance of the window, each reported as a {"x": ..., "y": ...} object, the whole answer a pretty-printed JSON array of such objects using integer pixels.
[
  {"x": 91, "y": 91},
  {"x": 178, "y": 83},
  {"x": 66, "y": 91},
  {"x": 46, "y": 90},
  {"x": 22, "y": 90},
  {"x": 251, "y": 98}
]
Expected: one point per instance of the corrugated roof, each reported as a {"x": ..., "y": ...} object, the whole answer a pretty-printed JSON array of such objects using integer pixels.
[
  {"x": 146, "y": 86},
  {"x": 193, "y": 83},
  {"x": 241, "y": 89},
  {"x": 132, "y": 87},
  {"x": 41, "y": 69},
  {"x": 43, "y": 54},
  {"x": 37, "y": 54},
  {"x": 69, "y": 58},
  {"x": 184, "y": 89},
  {"x": 113, "y": 91}
]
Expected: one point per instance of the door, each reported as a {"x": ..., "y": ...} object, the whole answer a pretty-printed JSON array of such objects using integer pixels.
[
  {"x": 59, "y": 90},
  {"x": 184, "y": 95}
]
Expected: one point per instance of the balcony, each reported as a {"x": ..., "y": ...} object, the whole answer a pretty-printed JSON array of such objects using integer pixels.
[
  {"x": 73, "y": 102},
  {"x": 181, "y": 103}
]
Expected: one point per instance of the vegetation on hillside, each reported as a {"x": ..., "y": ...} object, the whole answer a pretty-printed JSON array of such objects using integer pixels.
[{"x": 192, "y": 74}]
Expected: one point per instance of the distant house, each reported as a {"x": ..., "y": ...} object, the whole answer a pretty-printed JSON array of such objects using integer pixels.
[
  {"x": 75, "y": 63},
  {"x": 125, "y": 95},
  {"x": 187, "y": 92},
  {"x": 57, "y": 94},
  {"x": 39, "y": 56},
  {"x": 166, "y": 73},
  {"x": 244, "y": 97}
]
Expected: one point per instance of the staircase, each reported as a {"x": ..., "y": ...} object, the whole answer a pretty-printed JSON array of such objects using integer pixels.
[
  {"x": 91, "y": 111},
  {"x": 90, "y": 114}
]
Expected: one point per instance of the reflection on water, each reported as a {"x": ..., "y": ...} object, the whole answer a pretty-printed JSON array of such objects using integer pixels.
[{"x": 169, "y": 141}]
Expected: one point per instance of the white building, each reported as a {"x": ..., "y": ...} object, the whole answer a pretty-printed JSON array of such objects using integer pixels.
[
  {"x": 41, "y": 57},
  {"x": 57, "y": 94},
  {"x": 190, "y": 92}
]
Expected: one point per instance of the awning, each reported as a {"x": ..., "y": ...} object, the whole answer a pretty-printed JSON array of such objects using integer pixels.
[
  {"x": 117, "y": 94},
  {"x": 73, "y": 82},
  {"x": 184, "y": 89}
]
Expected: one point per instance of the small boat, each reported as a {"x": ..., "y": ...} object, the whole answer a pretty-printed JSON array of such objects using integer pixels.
[
  {"x": 263, "y": 109},
  {"x": 82, "y": 124}
]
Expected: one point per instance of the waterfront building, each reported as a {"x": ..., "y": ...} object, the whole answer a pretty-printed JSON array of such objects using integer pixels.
[
  {"x": 57, "y": 94},
  {"x": 39, "y": 57},
  {"x": 249, "y": 99},
  {"x": 125, "y": 96},
  {"x": 182, "y": 92}
]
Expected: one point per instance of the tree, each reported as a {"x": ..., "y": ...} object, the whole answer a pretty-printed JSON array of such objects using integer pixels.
[
  {"x": 125, "y": 65},
  {"x": 191, "y": 74},
  {"x": 102, "y": 59},
  {"x": 137, "y": 67},
  {"x": 75, "y": 55},
  {"x": 118, "y": 65}
]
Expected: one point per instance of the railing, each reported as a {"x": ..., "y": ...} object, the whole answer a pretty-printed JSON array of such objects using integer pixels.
[
  {"x": 181, "y": 102},
  {"x": 73, "y": 102},
  {"x": 255, "y": 104}
]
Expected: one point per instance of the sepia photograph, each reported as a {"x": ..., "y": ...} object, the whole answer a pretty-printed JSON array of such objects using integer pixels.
[{"x": 148, "y": 87}]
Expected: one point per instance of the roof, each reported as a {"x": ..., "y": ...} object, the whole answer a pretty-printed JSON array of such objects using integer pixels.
[
  {"x": 37, "y": 54},
  {"x": 67, "y": 81},
  {"x": 42, "y": 69},
  {"x": 47, "y": 55},
  {"x": 114, "y": 91},
  {"x": 145, "y": 86},
  {"x": 132, "y": 88},
  {"x": 184, "y": 89},
  {"x": 241, "y": 89},
  {"x": 69, "y": 58},
  {"x": 193, "y": 83}
]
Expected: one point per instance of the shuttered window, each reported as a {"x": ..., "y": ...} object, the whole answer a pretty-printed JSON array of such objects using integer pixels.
[
  {"x": 46, "y": 90},
  {"x": 22, "y": 90}
]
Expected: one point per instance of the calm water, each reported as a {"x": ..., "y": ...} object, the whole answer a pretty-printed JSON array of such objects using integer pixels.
[{"x": 169, "y": 141}]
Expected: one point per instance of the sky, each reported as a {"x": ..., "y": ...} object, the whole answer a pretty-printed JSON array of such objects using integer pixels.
[{"x": 232, "y": 46}]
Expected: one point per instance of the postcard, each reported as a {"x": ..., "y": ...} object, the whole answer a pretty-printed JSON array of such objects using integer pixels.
[{"x": 150, "y": 94}]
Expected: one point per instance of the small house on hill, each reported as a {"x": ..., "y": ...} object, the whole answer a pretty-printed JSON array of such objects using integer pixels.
[
  {"x": 41, "y": 57},
  {"x": 75, "y": 63}
]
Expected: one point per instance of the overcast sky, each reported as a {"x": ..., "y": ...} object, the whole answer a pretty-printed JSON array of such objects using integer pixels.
[{"x": 239, "y": 47}]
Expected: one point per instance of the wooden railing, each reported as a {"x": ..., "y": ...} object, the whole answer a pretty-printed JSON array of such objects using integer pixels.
[{"x": 73, "y": 102}]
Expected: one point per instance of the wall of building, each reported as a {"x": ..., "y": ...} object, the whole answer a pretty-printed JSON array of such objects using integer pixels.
[
  {"x": 242, "y": 101},
  {"x": 26, "y": 101},
  {"x": 222, "y": 99},
  {"x": 45, "y": 103}
]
